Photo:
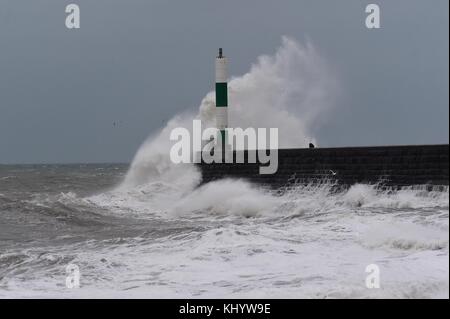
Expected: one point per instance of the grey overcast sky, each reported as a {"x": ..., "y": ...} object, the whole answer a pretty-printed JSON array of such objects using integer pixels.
[{"x": 141, "y": 62}]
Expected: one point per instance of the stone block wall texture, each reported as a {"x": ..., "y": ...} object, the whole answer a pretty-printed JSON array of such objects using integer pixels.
[{"x": 386, "y": 165}]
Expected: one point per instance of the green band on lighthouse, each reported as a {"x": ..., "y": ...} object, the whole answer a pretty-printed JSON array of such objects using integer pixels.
[{"x": 221, "y": 94}]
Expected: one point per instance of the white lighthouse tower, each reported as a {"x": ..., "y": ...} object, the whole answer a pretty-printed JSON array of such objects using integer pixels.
[{"x": 221, "y": 96}]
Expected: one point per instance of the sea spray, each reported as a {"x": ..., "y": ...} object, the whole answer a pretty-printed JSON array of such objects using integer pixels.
[{"x": 292, "y": 90}]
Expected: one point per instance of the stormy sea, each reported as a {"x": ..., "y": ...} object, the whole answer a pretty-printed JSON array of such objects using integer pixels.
[
  {"x": 158, "y": 241},
  {"x": 150, "y": 229}
]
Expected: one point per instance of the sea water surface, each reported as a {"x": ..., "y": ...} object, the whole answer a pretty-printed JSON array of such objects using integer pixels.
[{"x": 226, "y": 239}]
